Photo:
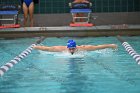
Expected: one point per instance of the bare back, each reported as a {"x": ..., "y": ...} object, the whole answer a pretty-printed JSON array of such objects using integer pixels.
[{"x": 58, "y": 48}]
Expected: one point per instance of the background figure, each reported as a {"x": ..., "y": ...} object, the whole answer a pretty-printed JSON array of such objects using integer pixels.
[
  {"x": 28, "y": 8},
  {"x": 80, "y": 1},
  {"x": 80, "y": 14}
]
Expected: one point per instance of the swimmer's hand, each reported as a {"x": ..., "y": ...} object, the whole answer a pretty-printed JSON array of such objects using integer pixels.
[
  {"x": 34, "y": 47},
  {"x": 113, "y": 46}
]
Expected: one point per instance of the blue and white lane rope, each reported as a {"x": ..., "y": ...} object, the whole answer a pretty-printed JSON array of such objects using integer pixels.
[
  {"x": 130, "y": 50},
  {"x": 18, "y": 58}
]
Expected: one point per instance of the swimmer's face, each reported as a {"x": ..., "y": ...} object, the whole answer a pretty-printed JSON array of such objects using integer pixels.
[{"x": 72, "y": 50}]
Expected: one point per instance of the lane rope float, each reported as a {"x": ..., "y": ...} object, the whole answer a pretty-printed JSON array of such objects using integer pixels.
[
  {"x": 130, "y": 49},
  {"x": 18, "y": 58}
]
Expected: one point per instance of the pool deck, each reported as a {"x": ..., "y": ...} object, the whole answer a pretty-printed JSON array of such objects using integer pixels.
[{"x": 66, "y": 31}]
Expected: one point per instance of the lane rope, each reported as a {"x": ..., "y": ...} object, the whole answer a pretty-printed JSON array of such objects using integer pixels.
[
  {"x": 18, "y": 58},
  {"x": 130, "y": 49}
]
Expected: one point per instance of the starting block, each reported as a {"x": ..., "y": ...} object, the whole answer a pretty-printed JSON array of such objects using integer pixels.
[
  {"x": 9, "y": 16},
  {"x": 81, "y": 13}
]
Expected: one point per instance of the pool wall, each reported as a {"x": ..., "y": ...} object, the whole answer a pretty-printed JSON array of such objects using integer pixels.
[
  {"x": 99, "y": 19},
  {"x": 57, "y": 25},
  {"x": 133, "y": 30}
]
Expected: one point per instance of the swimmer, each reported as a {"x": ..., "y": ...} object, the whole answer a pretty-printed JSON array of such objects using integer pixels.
[
  {"x": 72, "y": 47},
  {"x": 28, "y": 8}
]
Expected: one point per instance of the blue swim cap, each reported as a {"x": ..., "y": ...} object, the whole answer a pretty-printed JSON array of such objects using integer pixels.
[{"x": 71, "y": 44}]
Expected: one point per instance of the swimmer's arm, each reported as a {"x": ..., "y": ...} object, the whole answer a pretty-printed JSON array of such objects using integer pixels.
[
  {"x": 51, "y": 49},
  {"x": 92, "y": 47},
  {"x": 43, "y": 48}
]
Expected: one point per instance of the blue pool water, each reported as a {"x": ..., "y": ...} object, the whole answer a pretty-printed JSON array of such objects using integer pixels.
[{"x": 102, "y": 71}]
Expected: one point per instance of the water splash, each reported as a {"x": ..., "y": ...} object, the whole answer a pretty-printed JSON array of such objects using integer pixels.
[{"x": 65, "y": 54}]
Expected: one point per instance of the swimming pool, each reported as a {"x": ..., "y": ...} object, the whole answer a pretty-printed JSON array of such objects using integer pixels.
[{"x": 102, "y": 71}]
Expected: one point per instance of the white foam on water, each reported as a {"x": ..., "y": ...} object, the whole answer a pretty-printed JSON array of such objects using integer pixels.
[
  {"x": 102, "y": 53},
  {"x": 80, "y": 54},
  {"x": 65, "y": 54}
]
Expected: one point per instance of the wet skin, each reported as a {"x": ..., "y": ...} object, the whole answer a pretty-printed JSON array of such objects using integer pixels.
[{"x": 72, "y": 50}]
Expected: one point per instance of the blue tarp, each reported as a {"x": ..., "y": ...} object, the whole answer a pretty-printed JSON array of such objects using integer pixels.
[
  {"x": 8, "y": 12},
  {"x": 80, "y": 11}
]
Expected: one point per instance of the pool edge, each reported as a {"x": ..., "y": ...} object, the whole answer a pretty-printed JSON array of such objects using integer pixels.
[{"x": 68, "y": 32}]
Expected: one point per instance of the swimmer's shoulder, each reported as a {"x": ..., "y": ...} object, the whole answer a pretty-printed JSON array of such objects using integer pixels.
[
  {"x": 59, "y": 48},
  {"x": 83, "y": 46}
]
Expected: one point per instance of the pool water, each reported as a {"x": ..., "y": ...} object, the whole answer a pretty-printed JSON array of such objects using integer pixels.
[{"x": 100, "y": 71}]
